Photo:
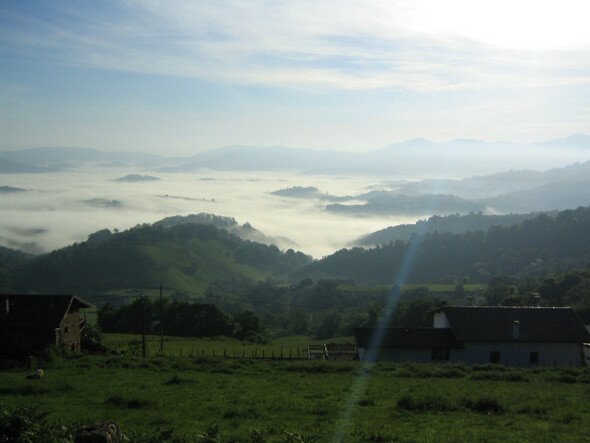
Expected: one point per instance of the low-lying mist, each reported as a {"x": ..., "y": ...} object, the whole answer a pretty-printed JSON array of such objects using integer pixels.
[{"x": 59, "y": 209}]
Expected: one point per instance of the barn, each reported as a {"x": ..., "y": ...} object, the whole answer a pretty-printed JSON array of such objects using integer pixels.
[
  {"x": 514, "y": 336},
  {"x": 29, "y": 323}
]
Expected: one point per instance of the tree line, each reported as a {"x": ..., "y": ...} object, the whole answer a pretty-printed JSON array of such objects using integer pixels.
[
  {"x": 537, "y": 247},
  {"x": 181, "y": 319}
]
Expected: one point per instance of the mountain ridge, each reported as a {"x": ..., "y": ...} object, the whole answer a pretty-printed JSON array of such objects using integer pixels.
[{"x": 458, "y": 156}]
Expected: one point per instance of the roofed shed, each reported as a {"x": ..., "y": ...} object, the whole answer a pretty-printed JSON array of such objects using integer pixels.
[
  {"x": 404, "y": 344},
  {"x": 29, "y": 323},
  {"x": 516, "y": 336}
]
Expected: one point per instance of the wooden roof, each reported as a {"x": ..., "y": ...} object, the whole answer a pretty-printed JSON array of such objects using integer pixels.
[
  {"x": 483, "y": 323},
  {"x": 38, "y": 309},
  {"x": 406, "y": 338}
]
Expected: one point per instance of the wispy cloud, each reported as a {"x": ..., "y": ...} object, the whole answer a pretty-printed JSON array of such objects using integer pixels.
[
  {"x": 341, "y": 45},
  {"x": 261, "y": 69}
]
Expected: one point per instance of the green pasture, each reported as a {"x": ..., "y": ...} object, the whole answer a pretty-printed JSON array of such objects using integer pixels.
[
  {"x": 446, "y": 287},
  {"x": 291, "y": 347},
  {"x": 432, "y": 287},
  {"x": 245, "y": 400}
]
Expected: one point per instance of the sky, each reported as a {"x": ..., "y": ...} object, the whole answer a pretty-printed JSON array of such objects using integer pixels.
[{"x": 182, "y": 77}]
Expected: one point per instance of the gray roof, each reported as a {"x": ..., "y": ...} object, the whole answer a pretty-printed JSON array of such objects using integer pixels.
[
  {"x": 479, "y": 323},
  {"x": 38, "y": 310},
  {"x": 406, "y": 338}
]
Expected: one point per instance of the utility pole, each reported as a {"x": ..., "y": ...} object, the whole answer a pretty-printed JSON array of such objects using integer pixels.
[
  {"x": 142, "y": 325},
  {"x": 161, "y": 322}
]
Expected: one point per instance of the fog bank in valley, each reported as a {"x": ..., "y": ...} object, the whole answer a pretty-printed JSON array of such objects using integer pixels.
[{"x": 59, "y": 209}]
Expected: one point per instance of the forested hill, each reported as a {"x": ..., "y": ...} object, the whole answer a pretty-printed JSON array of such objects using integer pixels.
[
  {"x": 537, "y": 246},
  {"x": 187, "y": 257},
  {"x": 455, "y": 224}
]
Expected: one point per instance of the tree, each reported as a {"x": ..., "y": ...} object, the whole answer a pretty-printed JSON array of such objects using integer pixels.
[
  {"x": 329, "y": 325},
  {"x": 249, "y": 327}
]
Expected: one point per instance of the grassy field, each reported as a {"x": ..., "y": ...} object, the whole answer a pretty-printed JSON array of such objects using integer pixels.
[
  {"x": 432, "y": 287},
  {"x": 243, "y": 400},
  {"x": 286, "y": 347},
  {"x": 446, "y": 287}
]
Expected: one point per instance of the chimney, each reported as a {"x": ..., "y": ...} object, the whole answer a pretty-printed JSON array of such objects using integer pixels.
[
  {"x": 470, "y": 301},
  {"x": 516, "y": 330}
]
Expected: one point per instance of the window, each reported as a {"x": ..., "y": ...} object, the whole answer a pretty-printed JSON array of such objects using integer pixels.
[
  {"x": 534, "y": 357},
  {"x": 67, "y": 328},
  {"x": 440, "y": 354},
  {"x": 495, "y": 357}
]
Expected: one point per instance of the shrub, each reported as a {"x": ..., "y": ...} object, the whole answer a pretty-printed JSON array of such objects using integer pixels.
[
  {"x": 532, "y": 410},
  {"x": 241, "y": 413},
  {"x": 24, "y": 390},
  {"x": 321, "y": 367},
  {"x": 425, "y": 403},
  {"x": 120, "y": 402},
  {"x": 366, "y": 402},
  {"x": 211, "y": 435},
  {"x": 562, "y": 378},
  {"x": 499, "y": 376},
  {"x": 485, "y": 405},
  {"x": 489, "y": 367},
  {"x": 175, "y": 380},
  {"x": 26, "y": 425}
]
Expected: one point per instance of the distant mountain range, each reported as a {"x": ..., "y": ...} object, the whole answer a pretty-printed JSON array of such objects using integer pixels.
[
  {"x": 503, "y": 178},
  {"x": 501, "y": 193},
  {"x": 137, "y": 178},
  {"x": 418, "y": 157},
  {"x": 412, "y": 158}
]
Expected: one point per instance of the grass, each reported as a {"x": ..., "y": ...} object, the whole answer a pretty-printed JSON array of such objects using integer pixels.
[
  {"x": 446, "y": 287},
  {"x": 213, "y": 399},
  {"x": 288, "y": 347}
]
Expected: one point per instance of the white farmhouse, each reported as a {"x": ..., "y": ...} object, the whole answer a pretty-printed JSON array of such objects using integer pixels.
[{"x": 514, "y": 336}]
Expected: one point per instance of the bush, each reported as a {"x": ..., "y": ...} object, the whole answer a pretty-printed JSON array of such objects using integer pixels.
[
  {"x": 488, "y": 367},
  {"x": 27, "y": 425},
  {"x": 425, "y": 403},
  {"x": 175, "y": 380},
  {"x": 501, "y": 376},
  {"x": 120, "y": 402},
  {"x": 485, "y": 405}
]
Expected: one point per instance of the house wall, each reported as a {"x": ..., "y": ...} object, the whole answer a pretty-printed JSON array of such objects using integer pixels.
[
  {"x": 511, "y": 354},
  {"x": 518, "y": 353},
  {"x": 69, "y": 332},
  {"x": 440, "y": 320}
]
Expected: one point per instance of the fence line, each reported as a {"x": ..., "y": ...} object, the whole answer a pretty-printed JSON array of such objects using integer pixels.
[
  {"x": 229, "y": 353},
  {"x": 337, "y": 351}
]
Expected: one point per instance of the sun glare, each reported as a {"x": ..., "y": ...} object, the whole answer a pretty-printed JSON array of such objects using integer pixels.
[{"x": 521, "y": 25}]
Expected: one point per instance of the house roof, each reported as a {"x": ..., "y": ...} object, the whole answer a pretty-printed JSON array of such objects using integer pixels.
[
  {"x": 38, "y": 310},
  {"x": 482, "y": 323},
  {"x": 407, "y": 338}
]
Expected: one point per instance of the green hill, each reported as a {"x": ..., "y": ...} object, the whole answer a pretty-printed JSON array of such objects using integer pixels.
[
  {"x": 454, "y": 224},
  {"x": 185, "y": 258},
  {"x": 535, "y": 247}
]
